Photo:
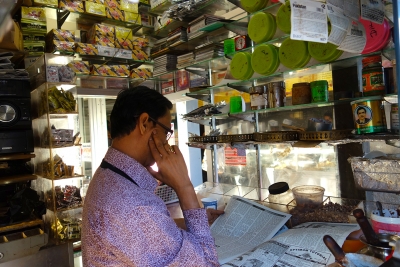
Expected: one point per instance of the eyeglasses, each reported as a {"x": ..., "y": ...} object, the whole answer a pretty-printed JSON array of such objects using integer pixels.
[{"x": 168, "y": 131}]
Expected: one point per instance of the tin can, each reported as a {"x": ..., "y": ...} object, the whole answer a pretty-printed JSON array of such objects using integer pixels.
[
  {"x": 394, "y": 118},
  {"x": 301, "y": 93},
  {"x": 369, "y": 116},
  {"x": 276, "y": 94},
  {"x": 259, "y": 97},
  {"x": 319, "y": 91},
  {"x": 372, "y": 76}
]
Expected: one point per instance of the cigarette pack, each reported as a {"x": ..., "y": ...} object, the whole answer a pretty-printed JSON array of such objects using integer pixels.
[{"x": 79, "y": 67}]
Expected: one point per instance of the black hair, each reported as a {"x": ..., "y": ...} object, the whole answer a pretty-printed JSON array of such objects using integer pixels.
[
  {"x": 131, "y": 103},
  {"x": 365, "y": 110}
]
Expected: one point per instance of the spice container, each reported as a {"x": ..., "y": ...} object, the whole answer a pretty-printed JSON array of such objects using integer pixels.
[
  {"x": 301, "y": 93},
  {"x": 319, "y": 91},
  {"x": 276, "y": 94},
  {"x": 280, "y": 193},
  {"x": 372, "y": 76},
  {"x": 369, "y": 115},
  {"x": 259, "y": 97}
]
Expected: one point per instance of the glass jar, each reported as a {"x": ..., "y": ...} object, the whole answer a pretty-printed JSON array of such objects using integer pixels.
[
  {"x": 259, "y": 97},
  {"x": 372, "y": 76},
  {"x": 280, "y": 193}
]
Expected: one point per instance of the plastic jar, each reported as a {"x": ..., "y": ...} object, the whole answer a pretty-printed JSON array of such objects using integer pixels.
[
  {"x": 280, "y": 193},
  {"x": 258, "y": 97},
  {"x": 319, "y": 91},
  {"x": 372, "y": 76},
  {"x": 276, "y": 94},
  {"x": 301, "y": 93}
]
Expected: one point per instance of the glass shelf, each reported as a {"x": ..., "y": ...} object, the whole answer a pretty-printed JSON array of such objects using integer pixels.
[{"x": 103, "y": 60}]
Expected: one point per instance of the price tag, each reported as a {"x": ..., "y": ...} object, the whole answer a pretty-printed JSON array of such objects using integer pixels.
[
  {"x": 308, "y": 21},
  {"x": 373, "y": 10},
  {"x": 106, "y": 51}
]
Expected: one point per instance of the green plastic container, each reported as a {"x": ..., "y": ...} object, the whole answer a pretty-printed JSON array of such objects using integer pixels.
[
  {"x": 293, "y": 54},
  {"x": 262, "y": 27},
  {"x": 324, "y": 52},
  {"x": 283, "y": 18},
  {"x": 265, "y": 59},
  {"x": 241, "y": 66},
  {"x": 253, "y": 5},
  {"x": 319, "y": 91}
]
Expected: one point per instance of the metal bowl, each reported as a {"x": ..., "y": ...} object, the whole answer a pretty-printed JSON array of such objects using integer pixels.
[{"x": 379, "y": 252}]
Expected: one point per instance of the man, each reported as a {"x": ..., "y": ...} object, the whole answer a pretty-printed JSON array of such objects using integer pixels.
[
  {"x": 362, "y": 116},
  {"x": 124, "y": 222}
]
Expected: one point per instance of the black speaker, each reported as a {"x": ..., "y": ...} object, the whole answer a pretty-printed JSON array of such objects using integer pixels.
[{"x": 16, "y": 141}]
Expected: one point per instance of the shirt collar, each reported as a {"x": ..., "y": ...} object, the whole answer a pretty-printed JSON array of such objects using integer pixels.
[{"x": 131, "y": 167}]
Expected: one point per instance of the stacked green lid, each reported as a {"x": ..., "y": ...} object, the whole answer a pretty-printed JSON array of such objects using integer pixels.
[
  {"x": 253, "y": 5},
  {"x": 293, "y": 53},
  {"x": 265, "y": 59},
  {"x": 241, "y": 66},
  {"x": 324, "y": 52},
  {"x": 283, "y": 18},
  {"x": 262, "y": 27}
]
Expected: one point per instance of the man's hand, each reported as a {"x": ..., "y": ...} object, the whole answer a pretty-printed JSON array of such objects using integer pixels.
[{"x": 213, "y": 214}]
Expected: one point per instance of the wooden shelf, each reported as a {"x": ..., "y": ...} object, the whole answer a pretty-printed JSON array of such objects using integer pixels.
[
  {"x": 21, "y": 225},
  {"x": 16, "y": 156},
  {"x": 17, "y": 179}
]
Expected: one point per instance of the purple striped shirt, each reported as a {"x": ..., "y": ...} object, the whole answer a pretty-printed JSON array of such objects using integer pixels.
[{"x": 126, "y": 225}]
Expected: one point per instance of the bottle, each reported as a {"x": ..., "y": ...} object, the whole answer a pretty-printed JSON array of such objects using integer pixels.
[{"x": 280, "y": 193}]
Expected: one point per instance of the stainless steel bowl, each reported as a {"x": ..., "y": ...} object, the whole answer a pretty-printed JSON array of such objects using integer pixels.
[{"x": 378, "y": 252}]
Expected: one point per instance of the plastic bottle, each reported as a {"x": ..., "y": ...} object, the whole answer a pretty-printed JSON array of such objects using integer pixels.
[{"x": 280, "y": 193}]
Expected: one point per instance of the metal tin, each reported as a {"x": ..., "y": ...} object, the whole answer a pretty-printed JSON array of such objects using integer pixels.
[
  {"x": 276, "y": 94},
  {"x": 369, "y": 115},
  {"x": 301, "y": 93},
  {"x": 258, "y": 97},
  {"x": 319, "y": 91},
  {"x": 372, "y": 76}
]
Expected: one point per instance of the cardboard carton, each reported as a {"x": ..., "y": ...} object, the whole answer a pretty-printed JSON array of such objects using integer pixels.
[{"x": 13, "y": 39}]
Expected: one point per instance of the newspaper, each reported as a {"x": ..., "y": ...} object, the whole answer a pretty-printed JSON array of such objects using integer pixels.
[
  {"x": 301, "y": 246},
  {"x": 245, "y": 225}
]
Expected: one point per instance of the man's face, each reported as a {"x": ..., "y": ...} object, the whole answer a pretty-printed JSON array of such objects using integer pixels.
[
  {"x": 161, "y": 132},
  {"x": 361, "y": 114}
]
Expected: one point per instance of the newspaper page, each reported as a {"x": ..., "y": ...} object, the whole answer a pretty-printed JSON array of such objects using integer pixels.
[
  {"x": 244, "y": 225},
  {"x": 301, "y": 246},
  {"x": 308, "y": 21}
]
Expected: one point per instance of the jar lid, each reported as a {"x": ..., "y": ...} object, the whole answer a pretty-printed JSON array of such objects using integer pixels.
[
  {"x": 293, "y": 53},
  {"x": 378, "y": 35},
  {"x": 371, "y": 60},
  {"x": 262, "y": 27},
  {"x": 265, "y": 59},
  {"x": 319, "y": 83},
  {"x": 253, "y": 6},
  {"x": 278, "y": 188},
  {"x": 283, "y": 18},
  {"x": 241, "y": 66},
  {"x": 324, "y": 52}
]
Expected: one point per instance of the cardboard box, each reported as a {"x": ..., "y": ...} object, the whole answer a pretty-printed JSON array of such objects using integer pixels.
[
  {"x": 117, "y": 83},
  {"x": 46, "y": 2},
  {"x": 147, "y": 2},
  {"x": 34, "y": 49},
  {"x": 132, "y": 17},
  {"x": 61, "y": 35},
  {"x": 141, "y": 73},
  {"x": 110, "y": 70},
  {"x": 112, "y": 4},
  {"x": 139, "y": 55},
  {"x": 96, "y": 9},
  {"x": 72, "y": 5},
  {"x": 79, "y": 67},
  {"x": 33, "y": 13},
  {"x": 140, "y": 42},
  {"x": 61, "y": 46},
  {"x": 13, "y": 39},
  {"x": 93, "y": 83},
  {"x": 114, "y": 13},
  {"x": 123, "y": 38},
  {"x": 33, "y": 37},
  {"x": 31, "y": 26},
  {"x": 86, "y": 49},
  {"x": 102, "y": 35},
  {"x": 96, "y": 1},
  {"x": 127, "y": 5}
]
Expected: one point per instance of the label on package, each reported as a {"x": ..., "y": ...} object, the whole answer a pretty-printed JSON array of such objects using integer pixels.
[
  {"x": 106, "y": 51},
  {"x": 339, "y": 24},
  {"x": 351, "y": 8},
  {"x": 355, "y": 39},
  {"x": 123, "y": 53},
  {"x": 373, "y": 10},
  {"x": 308, "y": 21}
]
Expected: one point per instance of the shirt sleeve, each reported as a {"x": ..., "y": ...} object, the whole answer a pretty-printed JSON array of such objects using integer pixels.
[{"x": 148, "y": 236}]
